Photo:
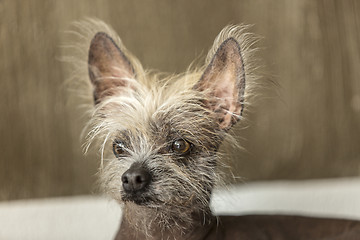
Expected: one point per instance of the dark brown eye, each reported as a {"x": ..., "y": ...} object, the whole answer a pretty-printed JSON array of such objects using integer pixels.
[
  {"x": 118, "y": 148},
  {"x": 181, "y": 146}
]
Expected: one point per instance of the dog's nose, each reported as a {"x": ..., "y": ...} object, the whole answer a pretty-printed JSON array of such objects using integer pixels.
[{"x": 135, "y": 179}]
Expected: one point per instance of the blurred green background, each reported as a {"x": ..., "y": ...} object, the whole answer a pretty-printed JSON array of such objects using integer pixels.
[{"x": 307, "y": 127}]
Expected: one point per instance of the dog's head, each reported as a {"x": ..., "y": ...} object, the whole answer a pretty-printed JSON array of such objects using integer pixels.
[{"x": 164, "y": 132}]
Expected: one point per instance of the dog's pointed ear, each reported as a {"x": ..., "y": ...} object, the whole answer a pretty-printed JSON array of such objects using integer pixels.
[
  {"x": 223, "y": 84},
  {"x": 109, "y": 68}
]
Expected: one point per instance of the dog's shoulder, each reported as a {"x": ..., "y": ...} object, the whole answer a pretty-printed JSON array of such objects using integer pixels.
[{"x": 278, "y": 227}]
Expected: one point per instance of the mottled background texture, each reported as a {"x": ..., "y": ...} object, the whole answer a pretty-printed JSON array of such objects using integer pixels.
[{"x": 306, "y": 126}]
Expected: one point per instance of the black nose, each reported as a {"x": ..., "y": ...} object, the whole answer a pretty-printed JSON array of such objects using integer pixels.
[{"x": 135, "y": 179}]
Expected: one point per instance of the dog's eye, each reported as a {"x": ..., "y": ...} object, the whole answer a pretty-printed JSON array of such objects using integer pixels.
[
  {"x": 181, "y": 146},
  {"x": 118, "y": 148}
]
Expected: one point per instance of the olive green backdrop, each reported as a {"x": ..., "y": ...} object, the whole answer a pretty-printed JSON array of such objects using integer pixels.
[{"x": 306, "y": 127}]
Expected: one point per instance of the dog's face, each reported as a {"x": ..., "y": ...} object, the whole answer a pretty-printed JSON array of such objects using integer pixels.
[{"x": 164, "y": 133}]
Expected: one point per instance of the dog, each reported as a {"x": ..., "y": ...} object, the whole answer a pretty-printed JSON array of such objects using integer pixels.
[{"x": 165, "y": 134}]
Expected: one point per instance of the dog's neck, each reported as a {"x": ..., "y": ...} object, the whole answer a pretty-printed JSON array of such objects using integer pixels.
[{"x": 142, "y": 225}]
